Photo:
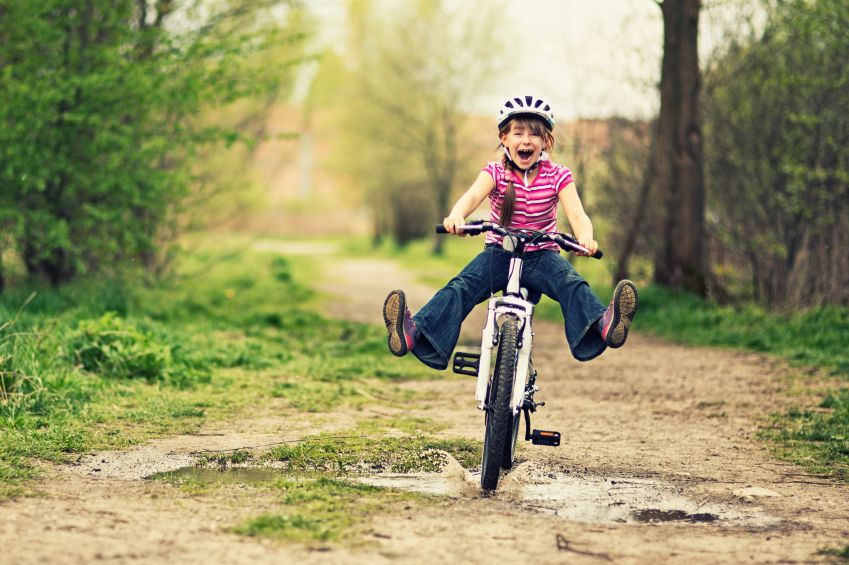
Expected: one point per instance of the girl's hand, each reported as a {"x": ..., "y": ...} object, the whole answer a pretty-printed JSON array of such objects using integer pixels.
[
  {"x": 590, "y": 244},
  {"x": 452, "y": 225}
]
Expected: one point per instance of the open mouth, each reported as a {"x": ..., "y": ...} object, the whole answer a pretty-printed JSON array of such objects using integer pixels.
[{"x": 525, "y": 154}]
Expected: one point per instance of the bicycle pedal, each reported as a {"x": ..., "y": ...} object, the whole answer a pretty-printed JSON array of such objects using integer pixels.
[
  {"x": 545, "y": 437},
  {"x": 467, "y": 363}
]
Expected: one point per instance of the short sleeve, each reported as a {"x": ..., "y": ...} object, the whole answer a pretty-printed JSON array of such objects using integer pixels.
[
  {"x": 492, "y": 168},
  {"x": 564, "y": 177}
]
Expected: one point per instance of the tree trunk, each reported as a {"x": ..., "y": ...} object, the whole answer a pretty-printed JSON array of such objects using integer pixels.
[{"x": 678, "y": 181}]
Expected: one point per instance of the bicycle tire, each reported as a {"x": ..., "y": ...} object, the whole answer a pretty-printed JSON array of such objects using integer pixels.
[
  {"x": 499, "y": 416},
  {"x": 509, "y": 456},
  {"x": 510, "y": 448}
]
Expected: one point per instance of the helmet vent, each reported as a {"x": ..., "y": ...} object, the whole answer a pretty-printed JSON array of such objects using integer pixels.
[{"x": 524, "y": 105}]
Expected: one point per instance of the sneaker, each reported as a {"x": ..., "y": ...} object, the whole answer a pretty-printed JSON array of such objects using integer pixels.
[
  {"x": 616, "y": 320},
  {"x": 399, "y": 323}
]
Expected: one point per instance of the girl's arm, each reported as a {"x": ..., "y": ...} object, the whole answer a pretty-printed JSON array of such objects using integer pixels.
[
  {"x": 469, "y": 202},
  {"x": 582, "y": 227}
]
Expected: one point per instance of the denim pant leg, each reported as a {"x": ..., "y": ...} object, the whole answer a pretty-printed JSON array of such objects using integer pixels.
[
  {"x": 552, "y": 275},
  {"x": 439, "y": 321}
]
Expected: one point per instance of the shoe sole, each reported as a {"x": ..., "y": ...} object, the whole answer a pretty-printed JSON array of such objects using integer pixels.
[
  {"x": 393, "y": 316},
  {"x": 625, "y": 301}
]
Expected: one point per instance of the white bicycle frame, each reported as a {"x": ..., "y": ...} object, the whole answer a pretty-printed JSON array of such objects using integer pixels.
[{"x": 509, "y": 303}]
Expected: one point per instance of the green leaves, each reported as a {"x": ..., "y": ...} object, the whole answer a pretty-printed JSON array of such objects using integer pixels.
[
  {"x": 100, "y": 117},
  {"x": 777, "y": 132}
]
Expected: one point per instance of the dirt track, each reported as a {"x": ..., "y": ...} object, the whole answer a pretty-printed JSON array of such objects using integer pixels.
[{"x": 659, "y": 463}]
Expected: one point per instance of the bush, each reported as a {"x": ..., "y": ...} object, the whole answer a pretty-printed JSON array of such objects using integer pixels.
[{"x": 112, "y": 347}]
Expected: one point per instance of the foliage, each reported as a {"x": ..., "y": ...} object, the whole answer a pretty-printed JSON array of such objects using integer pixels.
[
  {"x": 777, "y": 132},
  {"x": 414, "y": 73},
  {"x": 99, "y": 121},
  {"x": 623, "y": 194}
]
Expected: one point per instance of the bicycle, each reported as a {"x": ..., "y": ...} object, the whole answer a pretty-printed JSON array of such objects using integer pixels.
[{"x": 512, "y": 384}]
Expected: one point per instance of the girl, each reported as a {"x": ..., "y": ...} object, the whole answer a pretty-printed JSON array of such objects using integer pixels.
[{"x": 523, "y": 189}]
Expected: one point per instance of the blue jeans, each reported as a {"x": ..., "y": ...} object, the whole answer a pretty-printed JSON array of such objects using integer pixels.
[{"x": 544, "y": 271}]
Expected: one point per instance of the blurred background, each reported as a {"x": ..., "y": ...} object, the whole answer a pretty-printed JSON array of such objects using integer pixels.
[{"x": 709, "y": 140}]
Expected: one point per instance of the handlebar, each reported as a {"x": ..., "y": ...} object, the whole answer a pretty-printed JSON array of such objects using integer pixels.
[{"x": 564, "y": 240}]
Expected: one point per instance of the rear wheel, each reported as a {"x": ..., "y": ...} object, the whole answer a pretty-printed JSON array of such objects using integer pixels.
[{"x": 501, "y": 426}]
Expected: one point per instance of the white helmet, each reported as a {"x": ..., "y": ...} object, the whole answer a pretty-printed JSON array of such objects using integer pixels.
[{"x": 526, "y": 105}]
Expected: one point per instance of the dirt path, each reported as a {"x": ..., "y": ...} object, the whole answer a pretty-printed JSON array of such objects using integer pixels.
[{"x": 659, "y": 463}]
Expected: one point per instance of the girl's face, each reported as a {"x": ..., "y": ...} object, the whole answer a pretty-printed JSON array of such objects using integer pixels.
[{"x": 525, "y": 139}]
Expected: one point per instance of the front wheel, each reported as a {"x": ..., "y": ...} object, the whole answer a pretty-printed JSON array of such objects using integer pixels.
[
  {"x": 509, "y": 456},
  {"x": 500, "y": 425}
]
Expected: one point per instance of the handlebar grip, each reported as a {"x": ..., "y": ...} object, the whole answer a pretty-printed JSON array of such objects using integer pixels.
[
  {"x": 569, "y": 243},
  {"x": 468, "y": 229}
]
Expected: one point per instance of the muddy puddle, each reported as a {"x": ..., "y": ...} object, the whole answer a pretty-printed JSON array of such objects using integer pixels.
[
  {"x": 626, "y": 500},
  {"x": 229, "y": 476},
  {"x": 588, "y": 499}
]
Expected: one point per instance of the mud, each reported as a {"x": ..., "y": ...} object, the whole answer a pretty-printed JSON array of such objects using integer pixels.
[
  {"x": 660, "y": 461},
  {"x": 231, "y": 476}
]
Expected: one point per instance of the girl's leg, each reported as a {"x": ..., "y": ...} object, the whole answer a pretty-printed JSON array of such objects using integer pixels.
[
  {"x": 438, "y": 322},
  {"x": 550, "y": 273}
]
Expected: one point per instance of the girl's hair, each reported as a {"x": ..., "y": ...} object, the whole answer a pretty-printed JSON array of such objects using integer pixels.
[{"x": 537, "y": 127}]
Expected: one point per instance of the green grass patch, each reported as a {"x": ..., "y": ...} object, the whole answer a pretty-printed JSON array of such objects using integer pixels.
[
  {"x": 364, "y": 454},
  {"x": 322, "y": 509},
  {"x": 837, "y": 554},
  {"x": 817, "y": 440},
  {"x": 106, "y": 364}
]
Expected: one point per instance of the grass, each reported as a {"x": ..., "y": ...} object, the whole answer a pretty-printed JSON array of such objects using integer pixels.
[
  {"x": 323, "y": 509},
  {"x": 108, "y": 364},
  {"x": 836, "y": 554},
  {"x": 361, "y": 454},
  {"x": 817, "y": 439}
]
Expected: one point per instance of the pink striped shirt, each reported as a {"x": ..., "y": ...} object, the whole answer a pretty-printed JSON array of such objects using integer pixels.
[{"x": 536, "y": 204}]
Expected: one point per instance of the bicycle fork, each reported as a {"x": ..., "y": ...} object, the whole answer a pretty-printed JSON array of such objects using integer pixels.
[{"x": 524, "y": 386}]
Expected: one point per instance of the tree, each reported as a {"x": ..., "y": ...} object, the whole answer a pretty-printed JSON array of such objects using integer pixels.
[
  {"x": 100, "y": 107},
  {"x": 415, "y": 78},
  {"x": 777, "y": 123},
  {"x": 677, "y": 178},
  {"x": 623, "y": 191}
]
